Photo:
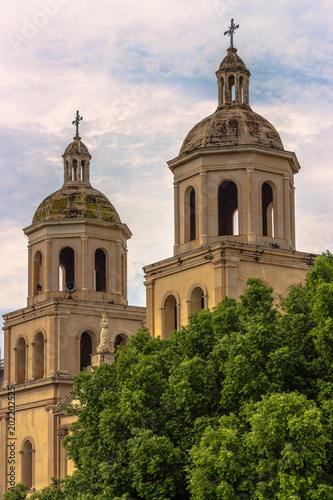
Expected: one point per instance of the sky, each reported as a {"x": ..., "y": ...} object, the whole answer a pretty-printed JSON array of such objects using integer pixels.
[{"x": 142, "y": 74}]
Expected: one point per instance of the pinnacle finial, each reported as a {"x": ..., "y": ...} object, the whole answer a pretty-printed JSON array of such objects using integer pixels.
[
  {"x": 76, "y": 122},
  {"x": 230, "y": 32}
]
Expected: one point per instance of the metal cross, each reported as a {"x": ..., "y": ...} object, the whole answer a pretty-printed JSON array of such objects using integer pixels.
[
  {"x": 231, "y": 32},
  {"x": 76, "y": 122}
]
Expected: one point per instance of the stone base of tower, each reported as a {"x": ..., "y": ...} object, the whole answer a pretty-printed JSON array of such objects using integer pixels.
[{"x": 201, "y": 278}]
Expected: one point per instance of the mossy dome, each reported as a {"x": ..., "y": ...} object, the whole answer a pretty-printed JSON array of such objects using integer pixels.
[{"x": 76, "y": 201}]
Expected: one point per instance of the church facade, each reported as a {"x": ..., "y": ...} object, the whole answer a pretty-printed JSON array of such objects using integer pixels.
[{"x": 234, "y": 218}]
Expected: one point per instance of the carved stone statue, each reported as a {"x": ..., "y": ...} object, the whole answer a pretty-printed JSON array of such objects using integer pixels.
[{"x": 103, "y": 345}]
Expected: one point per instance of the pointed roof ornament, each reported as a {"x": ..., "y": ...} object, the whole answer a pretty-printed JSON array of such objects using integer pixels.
[{"x": 230, "y": 32}]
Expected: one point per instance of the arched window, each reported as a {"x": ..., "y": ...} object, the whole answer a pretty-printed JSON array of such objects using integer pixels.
[
  {"x": 39, "y": 356},
  {"x": 100, "y": 271},
  {"x": 86, "y": 350},
  {"x": 38, "y": 273},
  {"x": 83, "y": 164},
  {"x": 75, "y": 172},
  {"x": 241, "y": 89},
  {"x": 21, "y": 361},
  {"x": 66, "y": 263},
  {"x": 231, "y": 88},
  {"x": 267, "y": 210},
  {"x": 27, "y": 464},
  {"x": 120, "y": 340},
  {"x": 170, "y": 315},
  {"x": 190, "y": 214},
  {"x": 227, "y": 206},
  {"x": 197, "y": 301}
]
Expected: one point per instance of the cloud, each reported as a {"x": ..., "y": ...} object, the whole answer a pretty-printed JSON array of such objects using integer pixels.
[{"x": 142, "y": 74}]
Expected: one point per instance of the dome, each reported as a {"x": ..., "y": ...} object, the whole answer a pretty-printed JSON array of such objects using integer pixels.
[
  {"x": 232, "y": 61},
  {"x": 232, "y": 126},
  {"x": 76, "y": 201},
  {"x": 76, "y": 148}
]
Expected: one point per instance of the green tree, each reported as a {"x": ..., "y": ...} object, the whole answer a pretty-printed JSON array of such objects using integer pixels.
[{"x": 236, "y": 405}]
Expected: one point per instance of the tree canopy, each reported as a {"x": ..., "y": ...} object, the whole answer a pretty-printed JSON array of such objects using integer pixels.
[{"x": 236, "y": 405}]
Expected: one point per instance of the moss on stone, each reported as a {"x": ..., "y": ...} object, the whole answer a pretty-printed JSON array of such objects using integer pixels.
[{"x": 59, "y": 204}]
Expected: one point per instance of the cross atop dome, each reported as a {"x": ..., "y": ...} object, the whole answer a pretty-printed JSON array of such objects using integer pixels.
[{"x": 230, "y": 32}]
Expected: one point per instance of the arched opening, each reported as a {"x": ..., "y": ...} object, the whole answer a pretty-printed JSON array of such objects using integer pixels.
[
  {"x": 100, "y": 271},
  {"x": 21, "y": 361},
  {"x": 83, "y": 164},
  {"x": 190, "y": 214},
  {"x": 66, "y": 263},
  {"x": 86, "y": 350},
  {"x": 39, "y": 356},
  {"x": 170, "y": 315},
  {"x": 267, "y": 210},
  {"x": 75, "y": 172},
  {"x": 231, "y": 88},
  {"x": 27, "y": 471},
  {"x": 38, "y": 273},
  {"x": 241, "y": 88},
  {"x": 222, "y": 91},
  {"x": 197, "y": 301},
  {"x": 227, "y": 206},
  {"x": 120, "y": 340}
]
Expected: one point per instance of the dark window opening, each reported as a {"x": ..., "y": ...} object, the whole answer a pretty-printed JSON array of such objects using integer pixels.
[
  {"x": 86, "y": 350},
  {"x": 120, "y": 340},
  {"x": 100, "y": 271},
  {"x": 170, "y": 315},
  {"x": 39, "y": 356},
  {"x": 232, "y": 88},
  {"x": 267, "y": 199},
  {"x": 192, "y": 215},
  {"x": 38, "y": 273},
  {"x": 227, "y": 205},
  {"x": 27, "y": 465},
  {"x": 197, "y": 300},
  {"x": 20, "y": 361},
  {"x": 67, "y": 264}
]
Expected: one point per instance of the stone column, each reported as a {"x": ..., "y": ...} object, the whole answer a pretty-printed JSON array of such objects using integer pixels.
[
  {"x": 7, "y": 378},
  {"x": 202, "y": 215},
  {"x": 286, "y": 199},
  {"x": 118, "y": 272},
  {"x": 52, "y": 451},
  {"x": 176, "y": 217},
  {"x": 84, "y": 267},
  {"x": 251, "y": 237},
  {"x": 292, "y": 216},
  {"x": 30, "y": 282},
  {"x": 4, "y": 454},
  {"x": 48, "y": 275},
  {"x": 219, "y": 285},
  {"x": 150, "y": 305}
]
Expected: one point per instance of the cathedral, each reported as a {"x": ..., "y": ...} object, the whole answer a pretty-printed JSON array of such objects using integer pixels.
[{"x": 234, "y": 218}]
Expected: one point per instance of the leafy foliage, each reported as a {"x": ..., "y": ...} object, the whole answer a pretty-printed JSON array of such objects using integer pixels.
[{"x": 236, "y": 405}]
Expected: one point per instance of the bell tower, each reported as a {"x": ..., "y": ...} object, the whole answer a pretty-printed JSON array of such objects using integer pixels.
[
  {"x": 77, "y": 273},
  {"x": 77, "y": 242},
  {"x": 234, "y": 211}
]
